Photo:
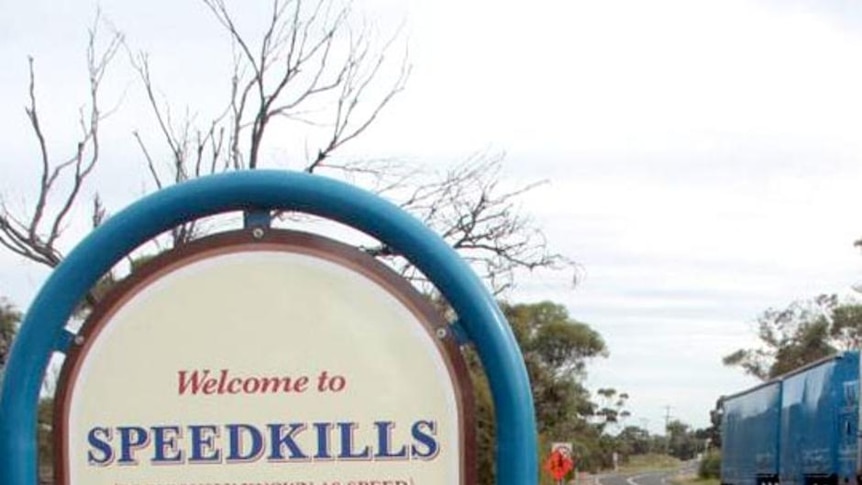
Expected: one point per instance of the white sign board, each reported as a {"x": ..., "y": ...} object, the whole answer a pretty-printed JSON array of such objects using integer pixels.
[{"x": 286, "y": 360}]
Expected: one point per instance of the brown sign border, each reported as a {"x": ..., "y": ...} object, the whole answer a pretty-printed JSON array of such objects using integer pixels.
[{"x": 260, "y": 239}]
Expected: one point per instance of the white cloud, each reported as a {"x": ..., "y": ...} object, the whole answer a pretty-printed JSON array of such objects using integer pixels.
[{"x": 627, "y": 76}]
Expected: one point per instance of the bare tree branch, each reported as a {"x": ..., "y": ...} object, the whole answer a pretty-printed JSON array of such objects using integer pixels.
[
  {"x": 194, "y": 152},
  {"x": 60, "y": 182},
  {"x": 306, "y": 55},
  {"x": 481, "y": 220}
]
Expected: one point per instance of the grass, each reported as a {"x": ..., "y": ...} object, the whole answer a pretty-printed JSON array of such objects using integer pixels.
[
  {"x": 694, "y": 480},
  {"x": 652, "y": 461}
]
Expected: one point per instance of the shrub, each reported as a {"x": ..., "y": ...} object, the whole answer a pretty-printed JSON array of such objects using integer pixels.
[{"x": 710, "y": 465}]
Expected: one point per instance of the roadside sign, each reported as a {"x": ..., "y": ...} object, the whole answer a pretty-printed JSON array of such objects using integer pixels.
[
  {"x": 137, "y": 436},
  {"x": 284, "y": 358},
  {"x": 560, "y": 461}
]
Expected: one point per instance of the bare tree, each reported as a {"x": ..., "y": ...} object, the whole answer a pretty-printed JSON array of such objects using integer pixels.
[
  {"x": 311, "y": 67},
  {"x": 34, "y": 233},
  {"x": 467, "y": 206}
]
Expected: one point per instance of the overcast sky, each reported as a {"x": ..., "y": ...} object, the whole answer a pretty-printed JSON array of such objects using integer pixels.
[{"x": 702, "y": 157}]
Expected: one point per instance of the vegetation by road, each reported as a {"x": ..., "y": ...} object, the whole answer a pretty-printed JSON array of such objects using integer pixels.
[{"x": 650, "y": 462}]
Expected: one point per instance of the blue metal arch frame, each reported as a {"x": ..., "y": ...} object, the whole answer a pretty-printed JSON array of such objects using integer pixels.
[{"x": 43, "y": 329}]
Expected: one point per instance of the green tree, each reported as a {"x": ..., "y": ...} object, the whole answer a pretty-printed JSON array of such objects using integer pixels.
[
  {"x": 802, "y": 333},
  {"x": 486, "y": 429},
  {"x": 556, "y": 350},
  {"x": 846, "y": 326},
  {"x": 611, "y": 408},
  {"x": 681, "y": 440},
  {"x": 9, "y": 318},
  {"x": 710, "y": 466},
  {"x": 45, "y": 422},
  {"x": 633, "y": 440}
]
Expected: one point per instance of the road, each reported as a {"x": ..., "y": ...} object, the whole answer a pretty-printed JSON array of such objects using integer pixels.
[{"x": 661, "y": 477}]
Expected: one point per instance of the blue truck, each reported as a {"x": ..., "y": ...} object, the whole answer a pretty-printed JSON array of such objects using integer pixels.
[{"x": 799, "y": 429}]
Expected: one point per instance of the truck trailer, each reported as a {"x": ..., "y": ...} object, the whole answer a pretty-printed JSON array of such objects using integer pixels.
[{"x": 798, "y": 429}]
